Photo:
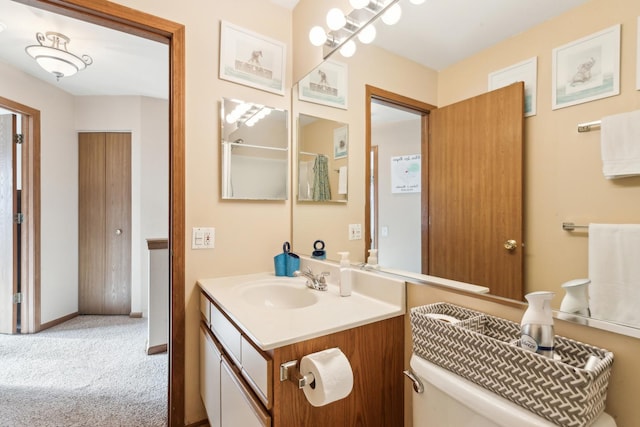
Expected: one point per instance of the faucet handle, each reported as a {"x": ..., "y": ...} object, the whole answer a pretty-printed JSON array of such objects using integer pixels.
[{"x": 321, "y": 276}]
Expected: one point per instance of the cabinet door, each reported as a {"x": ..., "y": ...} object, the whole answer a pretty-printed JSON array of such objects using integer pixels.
[
  {"x": 210, "y": 377},
  {"x": 238, "y": 405}
]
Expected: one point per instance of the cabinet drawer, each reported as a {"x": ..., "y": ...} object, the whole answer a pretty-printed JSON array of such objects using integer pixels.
[
  {"x": 256, "y": 369},
  {"x": 205, "y": 308},
  {"x": 227, "y": 333},
  {"x": 210, "y": 357},
  {"x": 238, "y": 405}
]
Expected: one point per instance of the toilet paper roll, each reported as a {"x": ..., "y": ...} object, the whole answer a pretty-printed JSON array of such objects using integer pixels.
[{"x": 333, "y": 376}]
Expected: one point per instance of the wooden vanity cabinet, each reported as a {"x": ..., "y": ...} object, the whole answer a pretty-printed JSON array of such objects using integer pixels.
[{"x": 252, "y": 376}]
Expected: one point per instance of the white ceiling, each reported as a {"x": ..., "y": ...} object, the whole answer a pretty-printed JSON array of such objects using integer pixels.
[
  {"x": 440, "y": 33},
  {"x": 122, "y": 64},
  {"x": 437, "y": 34}
]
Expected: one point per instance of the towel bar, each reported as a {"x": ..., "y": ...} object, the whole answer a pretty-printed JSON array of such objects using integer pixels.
[
  {"x": 587, "y": 127},
  {"x": 569, "y": 226}
]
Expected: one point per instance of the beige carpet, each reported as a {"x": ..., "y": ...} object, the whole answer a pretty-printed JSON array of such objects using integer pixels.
[{"x": 89, "y": 371}]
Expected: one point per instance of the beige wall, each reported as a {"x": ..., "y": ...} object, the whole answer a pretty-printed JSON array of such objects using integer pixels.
[{"x": 563, "y": 170}]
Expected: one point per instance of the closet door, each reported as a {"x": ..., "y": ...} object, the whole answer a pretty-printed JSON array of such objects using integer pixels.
[{"x": 104, "y": 223}]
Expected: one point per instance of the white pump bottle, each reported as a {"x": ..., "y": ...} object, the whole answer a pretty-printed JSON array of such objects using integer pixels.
[
  {"x": 345, "y": 274},
  {"x": 537, "y": 324}
]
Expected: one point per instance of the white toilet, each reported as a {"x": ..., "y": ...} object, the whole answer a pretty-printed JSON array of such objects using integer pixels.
[{"x": 449, "y": 400}]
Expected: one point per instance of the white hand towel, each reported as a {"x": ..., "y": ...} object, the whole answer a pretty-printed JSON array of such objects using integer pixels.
[
  {"x": 620, "y": 145},
  {"x": 342, "y": 180},
  {"x": 614, "y": 270}
]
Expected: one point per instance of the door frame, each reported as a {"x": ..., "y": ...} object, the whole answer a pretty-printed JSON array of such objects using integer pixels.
[
  {"x": 409, "y": 104},
  {"x": 141, "y": 24},
  {"x": 30, "y": 207}
]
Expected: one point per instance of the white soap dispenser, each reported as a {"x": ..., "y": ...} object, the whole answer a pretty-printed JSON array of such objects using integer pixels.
[
  {"x": 345, "y": 274},
  {"x": 372, "y": 260},
  {"x": 537, "y": 324}
]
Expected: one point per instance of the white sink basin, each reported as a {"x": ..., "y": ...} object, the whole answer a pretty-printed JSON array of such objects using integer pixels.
[{"x": 279, "y": 294}]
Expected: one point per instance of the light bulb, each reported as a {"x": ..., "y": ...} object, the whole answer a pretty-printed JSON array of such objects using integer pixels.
[
  {"x": 417, "y": 1},
  {"x": 348, "y": 49},
  {"x": 317, "y": 36},
  {"x": 359, "y": 4},
  {"x": 392, "y": 15},
  {"x": 367, "y": 34},
  {"x": 335, "y": 19}
]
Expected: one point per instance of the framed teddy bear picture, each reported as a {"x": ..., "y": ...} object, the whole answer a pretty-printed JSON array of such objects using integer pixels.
[{"x": 587, "y": 69}]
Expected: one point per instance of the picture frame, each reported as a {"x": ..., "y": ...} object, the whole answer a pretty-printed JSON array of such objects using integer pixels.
[
  {"x": 326, "y": 85},
  {"x": 406, "y": 172},
  {"x": 251, "y": 59},
  {"x": 525, "y": 71},
  {"x": 586, "y": 69},
  {"x": 340, "y": 142}
]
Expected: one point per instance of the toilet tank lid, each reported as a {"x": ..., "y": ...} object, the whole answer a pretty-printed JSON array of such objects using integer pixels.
[{"x": 483, "y": 401}]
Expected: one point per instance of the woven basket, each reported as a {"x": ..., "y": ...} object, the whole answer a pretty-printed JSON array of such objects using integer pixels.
[{"x": 485, "y": 350}]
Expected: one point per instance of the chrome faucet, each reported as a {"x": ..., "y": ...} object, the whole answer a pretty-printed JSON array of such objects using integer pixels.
[{"x": 314, "y": 281}]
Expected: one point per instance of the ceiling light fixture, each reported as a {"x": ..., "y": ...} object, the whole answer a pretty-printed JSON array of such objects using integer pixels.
[{"x": 55, "y": 58}]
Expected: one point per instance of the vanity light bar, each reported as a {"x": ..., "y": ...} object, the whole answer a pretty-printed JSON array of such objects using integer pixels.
[{"x": 357, "y": 20}]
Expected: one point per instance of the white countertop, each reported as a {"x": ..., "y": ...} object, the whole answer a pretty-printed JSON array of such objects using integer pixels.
[{"x": 374, "y": 298}]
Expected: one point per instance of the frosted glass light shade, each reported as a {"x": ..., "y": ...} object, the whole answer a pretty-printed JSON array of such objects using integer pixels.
[
  {"x": 317, "y": 36},
  {"x": 392, "y": 15},
  {"x": 416, "y": 1},
  {"x": 348, "y": 49},
  {"x": 359, "y": 4},
  {"x": 367, "y": 34},
  {"x": 335, "y": 19},
  {"x": 55, "y": 58}
]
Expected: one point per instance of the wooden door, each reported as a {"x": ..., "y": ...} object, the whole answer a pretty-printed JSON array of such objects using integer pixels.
[
  {"x": 475, "y": 200},
  {"x": 8, "y": 227},
  {"x": 104, "y": 223}
]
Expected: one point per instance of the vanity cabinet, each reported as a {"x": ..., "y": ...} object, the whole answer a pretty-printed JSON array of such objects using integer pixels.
[{"x": 251, "y": 393}]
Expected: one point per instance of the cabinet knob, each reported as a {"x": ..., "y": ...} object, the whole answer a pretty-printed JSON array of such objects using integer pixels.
[{"x": 118, "y": 231}]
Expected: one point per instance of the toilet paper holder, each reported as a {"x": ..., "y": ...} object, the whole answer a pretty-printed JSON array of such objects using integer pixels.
[{"x": 289, "y": 371}]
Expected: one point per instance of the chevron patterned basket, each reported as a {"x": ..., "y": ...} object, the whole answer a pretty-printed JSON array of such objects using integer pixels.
[{"x": 484, "y": 349}]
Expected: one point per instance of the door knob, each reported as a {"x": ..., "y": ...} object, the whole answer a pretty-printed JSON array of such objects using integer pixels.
[
  {"x": 510, "y": 245},
  {"x": 118, "y": 231}
]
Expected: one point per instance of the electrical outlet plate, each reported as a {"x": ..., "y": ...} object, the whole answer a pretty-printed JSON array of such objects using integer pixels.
[
  {"x": 203, "y": 238},
  {"x": 355, "y": 231}
]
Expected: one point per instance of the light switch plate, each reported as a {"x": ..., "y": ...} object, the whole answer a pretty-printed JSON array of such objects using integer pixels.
[
  {"x": 203, "y": 238},
  {"x": 355, "y": 231}
]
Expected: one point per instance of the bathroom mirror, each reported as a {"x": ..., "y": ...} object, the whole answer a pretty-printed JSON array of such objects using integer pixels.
[
  {"x": 323, "y": 152},
  {"x": 563, "y": 180},
  {"x": 254, "y": 151}
]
